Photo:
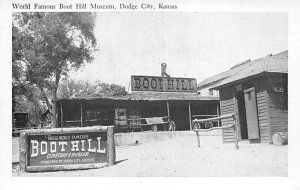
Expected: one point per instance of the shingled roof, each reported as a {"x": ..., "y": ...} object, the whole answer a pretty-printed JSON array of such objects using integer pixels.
[
  {"x": 219, "y": 77},
  {"x": 272, "y": 63},
  {"x": 148, "y": 96}
]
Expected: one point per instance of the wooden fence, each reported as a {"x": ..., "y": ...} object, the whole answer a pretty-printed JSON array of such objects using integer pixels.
[{"x": 196, "y": 123}]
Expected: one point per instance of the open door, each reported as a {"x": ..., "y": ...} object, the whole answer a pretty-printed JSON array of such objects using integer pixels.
[{"x": 251, "y": 113}]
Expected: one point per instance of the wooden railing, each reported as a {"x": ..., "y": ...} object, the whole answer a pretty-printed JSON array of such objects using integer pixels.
[
  {"x": 196, "y": 123},
  {"x": 145, "y": 122}
]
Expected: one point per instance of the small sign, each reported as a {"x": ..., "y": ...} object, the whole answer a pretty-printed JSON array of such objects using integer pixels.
[
  {"x": 278, "y": 89},
  {"x": 163, "y": 84}
]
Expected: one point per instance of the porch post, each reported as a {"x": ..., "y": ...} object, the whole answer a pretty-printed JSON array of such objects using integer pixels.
[
  {"x": 168, "y": 109},
  {"x": 81, "y": 119},
  {"x": 61, "y": 115},
  {"x": 219, "y": 124},
  {"x": 236, "y": 114},
  {"x": 190, "y": 116}
]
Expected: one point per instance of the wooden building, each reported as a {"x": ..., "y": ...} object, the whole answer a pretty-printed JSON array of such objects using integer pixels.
[
  {"x": 257, "y": 93},
  {"x": 127, "y": 112}
]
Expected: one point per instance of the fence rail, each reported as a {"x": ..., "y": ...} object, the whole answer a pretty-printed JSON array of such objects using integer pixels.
[{"x": 195, "y": 121}]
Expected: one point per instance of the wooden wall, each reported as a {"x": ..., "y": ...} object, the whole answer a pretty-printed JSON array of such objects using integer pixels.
[
  {"x": 278, "y": 104},
  {"x": 227, "y": 106},
  {"x": 271, "y": 107},
  {"x": 262, "y": 112}
]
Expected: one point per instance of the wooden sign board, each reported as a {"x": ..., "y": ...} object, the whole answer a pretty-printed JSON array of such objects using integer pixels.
[
  {"x": 163, "y": 84},
  {"x": 64, "y": 148}
]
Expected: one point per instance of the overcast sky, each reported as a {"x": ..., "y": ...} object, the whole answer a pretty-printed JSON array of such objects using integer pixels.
[{"x": 197, "y": 45}]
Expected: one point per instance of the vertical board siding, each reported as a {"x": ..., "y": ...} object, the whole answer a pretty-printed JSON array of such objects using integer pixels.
[
  {"x": 277, "y": 103},
  {"x": 262, "y": 112},
  {"x": 227, "y": 107}
]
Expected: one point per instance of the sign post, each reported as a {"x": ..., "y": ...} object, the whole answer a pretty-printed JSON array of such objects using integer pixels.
[{"x": 67, "y": 148}]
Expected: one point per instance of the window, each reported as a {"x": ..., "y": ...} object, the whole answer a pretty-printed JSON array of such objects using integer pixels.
[{"x": 211, "y": 92}]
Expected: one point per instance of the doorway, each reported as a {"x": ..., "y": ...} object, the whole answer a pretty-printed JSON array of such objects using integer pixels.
[
  {"x": 242, "y": 115},
  {"x": 179, "y": 113},
  {"x": 248, "y": 119}
]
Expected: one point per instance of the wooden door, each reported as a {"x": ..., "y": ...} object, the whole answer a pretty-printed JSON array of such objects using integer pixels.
[{"x": 251, "y": 113}]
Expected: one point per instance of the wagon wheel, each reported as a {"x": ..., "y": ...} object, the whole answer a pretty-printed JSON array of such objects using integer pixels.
[
  {"x": 196, "y": 125},
  {"x": 172, "y": 126},
  {"x": 208, "y": 125}
]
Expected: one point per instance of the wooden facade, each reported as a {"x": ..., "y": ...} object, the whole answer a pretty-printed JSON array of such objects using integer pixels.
[
  {"x": 271, "y": 107},
  {"x": 129, "y": 112}
]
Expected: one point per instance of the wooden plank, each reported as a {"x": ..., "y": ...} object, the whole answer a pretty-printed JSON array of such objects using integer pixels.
[
  {"x": 226, "y": 111},
  {"x": 263, "y": 117},
  {"x": 227, "y": 106},
  {"x": 61, "y": 115},
  {"x": 264, "y": 126},
  {"x": 111, "y": 146},
  {"x": 190, "y": 117},
  {"x": 214, "y": 119},
  {"x": 262, "y": 105},
  {"x": 231, "y": 137},
  {"x": 66, "y": 130},
  {"x": 228, "y": 119},
  {"x": 226, "y": 102},
  {"x": 64, "y": 167},
  {"x": 262, "y": 114},
  {"x": 81, "y": 115},
  {"x": 23, "y": 151}
]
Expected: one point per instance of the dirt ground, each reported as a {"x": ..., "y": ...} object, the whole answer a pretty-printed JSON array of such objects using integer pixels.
[{"x": 181, "y": 157}]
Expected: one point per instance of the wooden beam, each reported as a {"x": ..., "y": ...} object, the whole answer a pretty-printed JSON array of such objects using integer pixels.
[
  {"x": 61, "y": 116},
  {"x": 190, "y": 116},
  {"x": 65, "y": 130},
  {"x": 219, "y": 124},
  {"x": 23, "y": 151},
  {"x": 111, "y": 146},
  {"x": 168, "y": 109},
  {"x": 81, "y": 113},
  {"x": 198, "y": 138},
  {"x": 65, "y": 167},
  {"x": 214, "y": 118},
  {"x": 236, "y": 114}
]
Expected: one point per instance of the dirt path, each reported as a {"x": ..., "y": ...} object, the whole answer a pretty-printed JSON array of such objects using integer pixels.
[{"x": 181, "y": 157}]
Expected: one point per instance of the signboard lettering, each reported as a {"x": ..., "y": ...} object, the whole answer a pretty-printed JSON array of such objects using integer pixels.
[
  {"x": 77, "y": 148},
  {"x": 162, "y": 84},
  {"x": 66, "y": 148}
]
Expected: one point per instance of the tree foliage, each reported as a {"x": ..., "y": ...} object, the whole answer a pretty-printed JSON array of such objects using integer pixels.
[
  {"x": 47, "y": 45},
  {"x": 74, "y": 89}
]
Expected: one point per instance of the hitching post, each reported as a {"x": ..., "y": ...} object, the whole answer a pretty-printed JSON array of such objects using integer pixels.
[
  {"x": 111, "y": 154},
  {"x": 236, "y": 145},
  {"x": 198, "y": 138}
]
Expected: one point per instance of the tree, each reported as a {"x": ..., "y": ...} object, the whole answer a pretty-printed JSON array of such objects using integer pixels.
[
  {"x": 71, "y": 88},
  {"x": 48, "y": 45}
]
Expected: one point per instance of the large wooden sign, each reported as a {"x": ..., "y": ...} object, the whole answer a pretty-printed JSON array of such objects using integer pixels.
[
  {"x": 163, "y": 84},
  {"x": 65, "y": 148}
]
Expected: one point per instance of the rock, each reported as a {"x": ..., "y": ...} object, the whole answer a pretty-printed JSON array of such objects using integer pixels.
[{"x": 280, "y": 138}]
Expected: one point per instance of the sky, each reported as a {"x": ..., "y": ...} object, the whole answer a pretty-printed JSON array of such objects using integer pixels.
[
  {"x": 193, "y": 44},
  {"x": 197, "y": 45}
]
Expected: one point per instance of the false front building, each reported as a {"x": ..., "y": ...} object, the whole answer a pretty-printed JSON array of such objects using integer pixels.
[{"x": 155, "y": 101}]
